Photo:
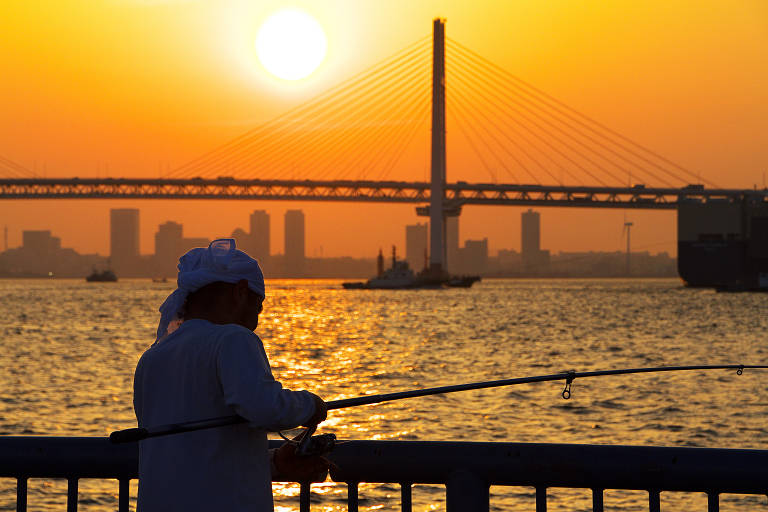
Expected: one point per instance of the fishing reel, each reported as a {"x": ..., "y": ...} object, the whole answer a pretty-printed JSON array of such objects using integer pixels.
[{"x": 310, "y": 445}]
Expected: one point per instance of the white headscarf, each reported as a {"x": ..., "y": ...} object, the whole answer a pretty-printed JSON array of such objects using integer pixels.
[{"x": 221, "y": 261}]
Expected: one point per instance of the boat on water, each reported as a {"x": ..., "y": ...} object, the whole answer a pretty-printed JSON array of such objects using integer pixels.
[
  {"x": 400, "y": 276},
  {"x": 104, "y": 276}
]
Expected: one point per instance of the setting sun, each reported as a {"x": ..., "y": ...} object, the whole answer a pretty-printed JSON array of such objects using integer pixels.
[{"x": 291, "y": 44}]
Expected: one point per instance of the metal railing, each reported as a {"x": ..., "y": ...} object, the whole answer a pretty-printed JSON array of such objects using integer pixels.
[{"x": 466, "y": 469}]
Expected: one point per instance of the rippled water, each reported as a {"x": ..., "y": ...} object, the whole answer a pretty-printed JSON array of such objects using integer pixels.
[{"x": 69, "y": 349}]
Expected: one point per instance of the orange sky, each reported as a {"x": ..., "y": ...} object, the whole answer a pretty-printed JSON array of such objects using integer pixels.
[{"x": 136, "y": 87}]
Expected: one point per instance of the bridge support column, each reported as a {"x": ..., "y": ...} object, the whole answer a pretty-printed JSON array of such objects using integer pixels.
[{"x": 437, "y": 190}]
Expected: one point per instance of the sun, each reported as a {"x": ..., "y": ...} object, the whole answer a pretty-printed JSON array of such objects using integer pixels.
[{"x": 291, "y": 44}]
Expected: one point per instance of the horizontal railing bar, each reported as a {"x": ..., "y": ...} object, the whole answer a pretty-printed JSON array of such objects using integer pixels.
[
  {"x": 556, "y": 465},
  {"x": 709, "y": 470}
]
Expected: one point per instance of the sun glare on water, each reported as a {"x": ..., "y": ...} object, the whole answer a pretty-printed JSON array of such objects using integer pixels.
[{"x": 291, "y": 44}]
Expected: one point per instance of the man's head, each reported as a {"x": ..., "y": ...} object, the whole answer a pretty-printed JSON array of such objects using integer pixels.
[
  {"x": 235, "y": 294},
  {"x": 225, "y": 303}
]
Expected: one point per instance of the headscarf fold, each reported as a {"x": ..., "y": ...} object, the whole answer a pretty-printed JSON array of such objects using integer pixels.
[{"x": 221, "y": 261}]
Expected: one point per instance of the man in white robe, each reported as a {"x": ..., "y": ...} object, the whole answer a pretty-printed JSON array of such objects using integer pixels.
[{"x": 213, "y": 365}]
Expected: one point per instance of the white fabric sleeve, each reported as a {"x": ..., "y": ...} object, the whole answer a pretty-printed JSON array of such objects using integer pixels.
[{"x": 251, "y": 390}]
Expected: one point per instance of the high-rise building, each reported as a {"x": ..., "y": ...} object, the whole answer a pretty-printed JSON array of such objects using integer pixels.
[
  {"x": 452, "y": 253},
  {"x": 416, "y": 239},
  {"x": 124, "y": 239},
  {"x": 534, "y": 259},
  {"x": 259, "y": 236},
  {"x": 170, "y": 245},
  {"x": 167, "y": 247},
  {"x": 475, "y": 256},
  {"x": 294, "y": 242}
]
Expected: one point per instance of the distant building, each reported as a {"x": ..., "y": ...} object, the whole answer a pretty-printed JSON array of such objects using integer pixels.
[
  {"x": 416, "y": 236},
  {"x": 124, "y": 240},
  {"x": 167, "y": 248},
  {"x": 41, "y": 255},
  {"x": 452, "y": 253},
  {"x": 170, "y": 245},
  {"x": 535, "y": 261},
  {"x": 474, "y": 256},
  {"x": 294, "y": 243},
  {"x": 40, "y": 242},
  {"x": 259, "y": 246}
]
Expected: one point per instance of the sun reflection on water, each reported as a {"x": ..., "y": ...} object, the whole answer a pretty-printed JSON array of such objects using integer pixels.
[{"x": 70, "y": 348}]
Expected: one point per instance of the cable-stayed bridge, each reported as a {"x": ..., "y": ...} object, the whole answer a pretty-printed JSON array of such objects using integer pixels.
[
  {"x": 456, "y": 194},
  {"x": 368, "y": 137}
]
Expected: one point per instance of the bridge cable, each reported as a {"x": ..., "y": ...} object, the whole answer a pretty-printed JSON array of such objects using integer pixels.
[
  {"x": 463, "y": 104},
  {"x": 570, "y": 137},
  {"x": 504, "y": 132},
  {"x": 16, "y": 168},
  {"x": 519, "y": 115},
  {"x": 559, "y": 119},
  {"x": 553, "y": 103},
  {"x": 473, "y": 124},
  {"x": 330, "y": 117},
  {"x": 321, "y": 101},
  {"x": 354, "y": 81},
  {"x": 355, "y": 136},
  {"x": 350, "y": 135},
  {"x": 472, "y": 145},
  {"x": 390, "y": 134},
  {"x": 275, "y": 149},
  {"x": 493, "y": 106},
  {"x": 420, "y": 120}
]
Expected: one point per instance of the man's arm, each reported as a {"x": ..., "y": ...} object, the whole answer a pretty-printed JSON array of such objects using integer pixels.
[{"x": 249, "y": 388}]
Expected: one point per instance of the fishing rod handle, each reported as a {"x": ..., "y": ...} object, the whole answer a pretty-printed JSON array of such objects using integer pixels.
[{"x": 128, "y": 435}]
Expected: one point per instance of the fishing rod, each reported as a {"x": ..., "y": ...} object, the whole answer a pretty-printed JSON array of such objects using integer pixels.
[{"x": 138, "y": 434}]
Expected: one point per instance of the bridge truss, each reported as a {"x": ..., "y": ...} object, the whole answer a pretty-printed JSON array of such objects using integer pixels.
[{"x": 456, "y": 194}]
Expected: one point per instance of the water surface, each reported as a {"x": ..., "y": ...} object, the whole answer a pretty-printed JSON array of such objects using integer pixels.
[{"x": 69, "y": 349}]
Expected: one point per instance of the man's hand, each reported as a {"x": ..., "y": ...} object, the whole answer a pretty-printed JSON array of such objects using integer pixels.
[
  {"x": 291, "y": 467},
  {"x": 321, "y": 412}
]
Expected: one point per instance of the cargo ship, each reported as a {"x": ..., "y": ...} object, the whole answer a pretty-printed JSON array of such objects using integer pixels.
[{"x": 723, "y": 244}]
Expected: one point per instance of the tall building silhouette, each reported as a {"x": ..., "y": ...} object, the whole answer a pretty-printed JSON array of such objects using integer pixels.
[
  {"x": 259, "y": 246},
  {"x": 534, "y": 259},
  {"x": 452, "y": 252},
  {"x": 167, "y": 247},
  {"x": 170, "y": 245},
  {"x": 475, "y": 256},
  {"x": 416, "y": 239},
  {"x": 294, "y": 242},
  {"x": 124, "y": 239}
]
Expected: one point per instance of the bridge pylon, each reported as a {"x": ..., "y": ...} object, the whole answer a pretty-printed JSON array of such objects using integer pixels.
[{"x": 437, "y": 235}]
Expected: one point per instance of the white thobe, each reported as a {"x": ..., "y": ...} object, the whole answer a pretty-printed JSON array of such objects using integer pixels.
[{"x": 200, "y": 371}]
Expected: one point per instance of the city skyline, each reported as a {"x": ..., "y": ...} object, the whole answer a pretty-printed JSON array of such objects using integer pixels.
[
  {"x": 661, "y": 74},
  {"x": 260, "y": 223}
]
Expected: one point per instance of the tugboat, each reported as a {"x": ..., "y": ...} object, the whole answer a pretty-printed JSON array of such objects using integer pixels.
[
  {"x": 105, "y": 276},
  {"x": 400, "y": 276}
]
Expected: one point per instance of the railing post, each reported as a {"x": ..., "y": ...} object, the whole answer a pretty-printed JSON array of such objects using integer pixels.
[
  {"x": 406, "y": 497},
  {"x": 597, "y": 500},
  {"x": 466, "y": 492},
  {"x": 21, "y": 494},
  {"x": 124, "y": 495},
  {"x": 654, "y": 501},
  {"x": 72, "y": 495},
  {"x": 541, "y": 499},
  {"x": 304, "y": 495},
  {"x": 352, "y": 496},
  {"x": 713, "y": 502}
]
